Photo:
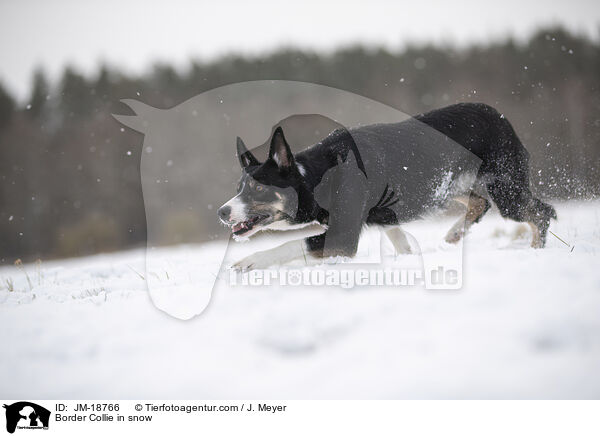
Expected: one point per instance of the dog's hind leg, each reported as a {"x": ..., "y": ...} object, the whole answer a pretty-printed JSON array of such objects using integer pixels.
[
  {"x": 536, "y": 238},
  {"x": 538, "y": 217},
  {"x": 519, "y": 204},
  {"x": 476, "y": 208},
  {"x": 399, "y": 240}
]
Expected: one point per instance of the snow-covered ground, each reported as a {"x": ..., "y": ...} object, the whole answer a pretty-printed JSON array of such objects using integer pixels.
[{"x": 526, "y": 324}]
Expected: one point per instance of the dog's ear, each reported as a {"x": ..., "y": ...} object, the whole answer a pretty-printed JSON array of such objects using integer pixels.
[
  {"x": 280, "y": 151},
  {"x": 245, "y": 156}
]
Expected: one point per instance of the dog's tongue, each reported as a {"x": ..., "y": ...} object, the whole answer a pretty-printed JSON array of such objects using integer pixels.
[{"x": 238, "y": 227}]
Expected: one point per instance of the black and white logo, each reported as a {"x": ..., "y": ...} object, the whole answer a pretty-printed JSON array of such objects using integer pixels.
[{"x": 26, "y": 415}]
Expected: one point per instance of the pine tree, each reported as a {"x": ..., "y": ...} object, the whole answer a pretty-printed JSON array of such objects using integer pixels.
[
  {"x": 39, "y": 94},
  {"x": 7, "y": 107}
]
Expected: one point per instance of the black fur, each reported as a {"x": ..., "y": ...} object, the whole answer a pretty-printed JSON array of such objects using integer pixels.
[
  {"x": 396, "y": 168},
  {"x": 505, "y": 161}
]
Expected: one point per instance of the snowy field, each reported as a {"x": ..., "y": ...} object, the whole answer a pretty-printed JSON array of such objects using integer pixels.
[{"x": 526, "y": 324}]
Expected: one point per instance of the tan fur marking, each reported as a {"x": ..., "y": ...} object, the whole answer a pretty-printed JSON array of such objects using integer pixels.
[
  {"x": 475, "y": 208},
  {"x": 536, "y": 240}
]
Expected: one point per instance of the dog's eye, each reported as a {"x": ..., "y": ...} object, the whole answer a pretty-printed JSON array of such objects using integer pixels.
[{"x": 258, "y": 188}]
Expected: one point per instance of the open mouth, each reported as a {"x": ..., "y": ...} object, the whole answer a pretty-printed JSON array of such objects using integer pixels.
[{"x": 245, "y": 226}]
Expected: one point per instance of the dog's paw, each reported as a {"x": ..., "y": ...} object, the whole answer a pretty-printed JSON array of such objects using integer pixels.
[
  {"x": 260, "y": 260},
  {"x": 454, "y": 236}
]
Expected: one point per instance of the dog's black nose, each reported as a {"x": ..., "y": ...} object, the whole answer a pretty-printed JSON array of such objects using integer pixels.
[{"x": 224, "y": 212}]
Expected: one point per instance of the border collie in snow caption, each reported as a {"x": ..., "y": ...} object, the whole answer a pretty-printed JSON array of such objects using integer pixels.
[{"x": 385, "y": 175}]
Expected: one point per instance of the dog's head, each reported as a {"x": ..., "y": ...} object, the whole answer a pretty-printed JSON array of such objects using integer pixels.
[{"x": 267, "y": 192}]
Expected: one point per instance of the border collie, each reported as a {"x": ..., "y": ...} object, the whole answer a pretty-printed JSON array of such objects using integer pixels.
[{"x": 386, "y": 175}]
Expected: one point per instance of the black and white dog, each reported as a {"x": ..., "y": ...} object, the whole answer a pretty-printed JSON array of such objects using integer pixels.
[{"x": 386, "y": 175}]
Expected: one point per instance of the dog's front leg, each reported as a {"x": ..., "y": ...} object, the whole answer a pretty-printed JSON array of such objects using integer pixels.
[{"x": 292, "y": 250}]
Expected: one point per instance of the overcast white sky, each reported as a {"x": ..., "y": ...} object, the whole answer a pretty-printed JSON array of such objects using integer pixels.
[{"x": 131, "y": 35}]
